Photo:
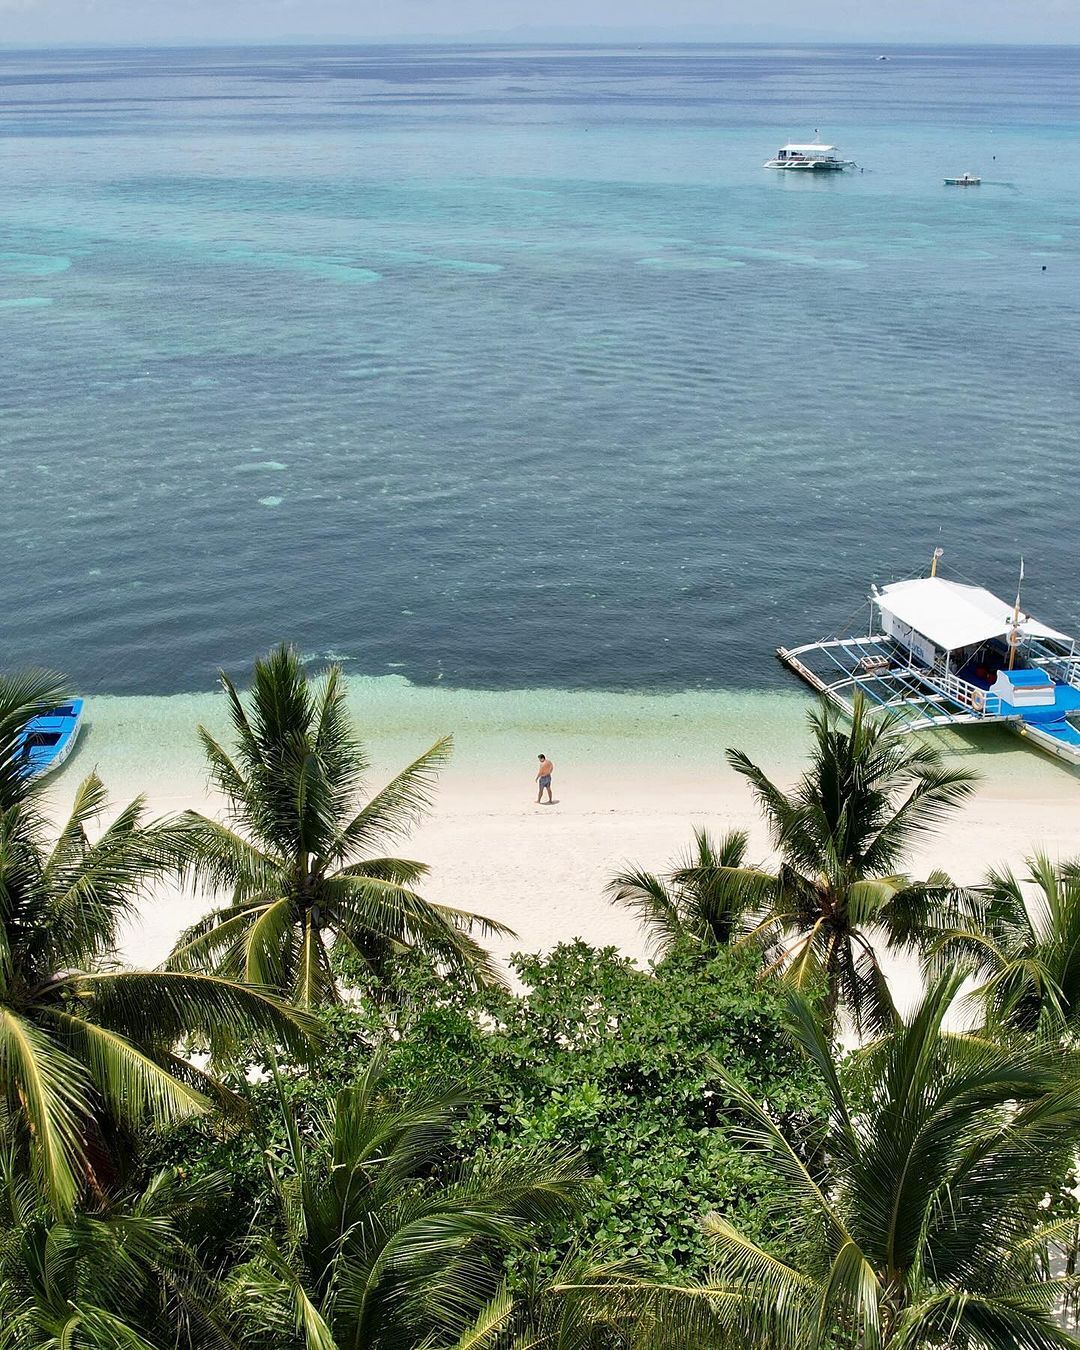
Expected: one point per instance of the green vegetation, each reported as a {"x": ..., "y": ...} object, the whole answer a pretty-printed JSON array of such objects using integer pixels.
[
  {"x": 593, "y": 1157},
  {"x": 1026, "y": 949},
  {"x": 378, "y": 1250},
  {"x": 843, "y": 834},
  {"x": 613, "y": 1063},
  {"x": 129, "y": 1272},
  {"x": 920, "y": 1207},
  {"x": 694, "y": 904},
  {"x": 298, "y": 863},
  {"x": 88, "y": 1051}
]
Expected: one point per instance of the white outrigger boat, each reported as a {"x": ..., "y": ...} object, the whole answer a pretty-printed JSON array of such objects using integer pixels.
[
  {"x": 810, "y": 158},
  {"x": 942, "y": 653}
]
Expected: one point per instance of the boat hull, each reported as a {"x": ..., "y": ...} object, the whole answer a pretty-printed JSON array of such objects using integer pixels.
[
  {"x": 819, "y": 167},
  {"x": 1067, "y": 751}
]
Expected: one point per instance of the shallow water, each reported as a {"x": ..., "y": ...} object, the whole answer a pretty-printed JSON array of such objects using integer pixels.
[
  {"x": 653, "y": 744},
  {"x": 513, "y": 368}
]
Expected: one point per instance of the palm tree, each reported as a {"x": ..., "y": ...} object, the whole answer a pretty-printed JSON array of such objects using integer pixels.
[
  {"x": 123, "y": 1276},
  {"x": 380, "y": 1250},
  {"x": 695, "y": 903},
  {"x": 22, "y": 697},
  {"x": 843, "y": 834},
  {"x": 919, "y": 1221},
  {"x": 299, "y": 862},
  {"x": 1027, "y": 951},
  {"x": 585, "y": 1302},
  {"x": 85, "y": 1046}
]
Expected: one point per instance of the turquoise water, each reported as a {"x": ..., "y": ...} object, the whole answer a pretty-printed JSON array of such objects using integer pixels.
[
  {"x": 648, "y": 743},
  {"x": 513, "y": 368}
]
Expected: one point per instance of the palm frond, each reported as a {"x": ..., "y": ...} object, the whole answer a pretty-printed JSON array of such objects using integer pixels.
[
  {"x": 651, "y": 903},
  {"x": 992, "y": 1322},
  {"x": 486, "y": 1331},
  {"x": 219, "y": 858},
  {"x": 314, "y": 982},
  {"x": 51, "y": 1090},
  {"x": 281, "y": 1282},
  {"x": 132, "y": 1083},
  {"x": 269, "y": 939},
  {"x": 393, "y": 811},
  {"x": 163, "y": 1007},
  {"x": 23, "y": 696}
]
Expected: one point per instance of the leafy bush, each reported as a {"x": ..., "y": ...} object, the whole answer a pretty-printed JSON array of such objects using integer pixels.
[
  {"x": 615, "y": 1061},
  {"x": 595, "y": 1054}
]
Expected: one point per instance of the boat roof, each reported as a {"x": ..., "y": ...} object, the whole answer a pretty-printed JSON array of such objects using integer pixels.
[
  {"x": 810, "y": 149},
  {"x": 952, "y": 614}
]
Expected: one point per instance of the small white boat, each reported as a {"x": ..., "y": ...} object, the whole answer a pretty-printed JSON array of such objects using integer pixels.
[
  {"x": 965, "y": 180},
  {"x": 942, "y": 653},
  {"x": 809, "y": 159}
]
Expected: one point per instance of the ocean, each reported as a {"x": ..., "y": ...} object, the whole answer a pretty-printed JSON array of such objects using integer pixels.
[{"x": 512, "y": 368}]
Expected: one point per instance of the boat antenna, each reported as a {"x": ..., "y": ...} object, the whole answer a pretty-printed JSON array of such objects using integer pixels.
[
  {"x": 937, "y": 555},
  {"x": 1014, "y": 635}
]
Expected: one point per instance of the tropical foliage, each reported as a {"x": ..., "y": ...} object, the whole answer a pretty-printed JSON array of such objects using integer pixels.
[
  {"x": 87, "y": 1050},
  {"x": 920, "y": 1206},
  {"x": 594, "y": 1058},
  {"x": 694, "y": 904},
  {"x": 592, "y": 1157},
  {"x": 843, "y": 835},
  {"x": 374, "y": 1253},
  {"x": 298, "y": 854},
  {"x": 1023, "y": 941},
  {"x": 126, "y": 1273}
]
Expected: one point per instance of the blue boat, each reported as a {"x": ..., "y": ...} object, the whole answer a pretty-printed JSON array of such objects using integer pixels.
[{"x": 48, "y": 740}]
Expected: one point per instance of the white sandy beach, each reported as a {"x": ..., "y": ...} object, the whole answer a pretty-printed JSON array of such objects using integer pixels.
[{"x": 634, "y": 774}]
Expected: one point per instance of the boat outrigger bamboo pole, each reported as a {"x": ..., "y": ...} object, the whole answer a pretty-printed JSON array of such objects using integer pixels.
[
  {"x": 934, "y": 561},
  {"x": 1014, "y": 634}
]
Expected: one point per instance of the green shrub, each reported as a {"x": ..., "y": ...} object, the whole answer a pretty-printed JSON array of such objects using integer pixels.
[{"x": 593, "y": 1052}]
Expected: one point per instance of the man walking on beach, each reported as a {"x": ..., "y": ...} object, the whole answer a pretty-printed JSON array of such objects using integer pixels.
[{"x": 543, "y": 779}]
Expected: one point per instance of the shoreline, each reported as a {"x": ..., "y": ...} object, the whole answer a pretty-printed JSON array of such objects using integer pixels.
[{"x": 633, "y": 775}]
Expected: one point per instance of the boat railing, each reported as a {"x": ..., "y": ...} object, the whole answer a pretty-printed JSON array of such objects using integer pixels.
[
  {"x": 1061, "y": 669},
  {"x": 980, "y": 701}
]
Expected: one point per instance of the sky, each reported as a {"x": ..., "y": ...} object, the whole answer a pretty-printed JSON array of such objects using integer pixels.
[{"x": 49, "y": 22}]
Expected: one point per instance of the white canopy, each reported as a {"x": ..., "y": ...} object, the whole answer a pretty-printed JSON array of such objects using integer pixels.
[
  {"x": 953, "y": 615},
  {"x": 810, "y": 149}
]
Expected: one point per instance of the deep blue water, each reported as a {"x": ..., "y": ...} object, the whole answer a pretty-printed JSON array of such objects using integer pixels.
[{"x": 513, "y": 367}]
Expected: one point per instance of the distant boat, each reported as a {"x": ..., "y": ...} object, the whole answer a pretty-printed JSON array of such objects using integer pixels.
[
  {"x": 809, "y": 158},
  {"x": 942, "y": 653},
  {"x": 48, "y": 740},
  {"x": 965, "y": 180},
  {"x": 883, "y": 58}
]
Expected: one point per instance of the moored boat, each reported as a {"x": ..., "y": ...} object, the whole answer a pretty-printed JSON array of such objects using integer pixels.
[
  {"x": 47, "y": 740},
  {"x": 940, "y": 653},
  {"x": 809, "y": 158}
]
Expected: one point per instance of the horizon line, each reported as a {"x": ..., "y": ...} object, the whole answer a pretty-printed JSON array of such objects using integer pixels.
[{"x": 489, "y": 39}]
